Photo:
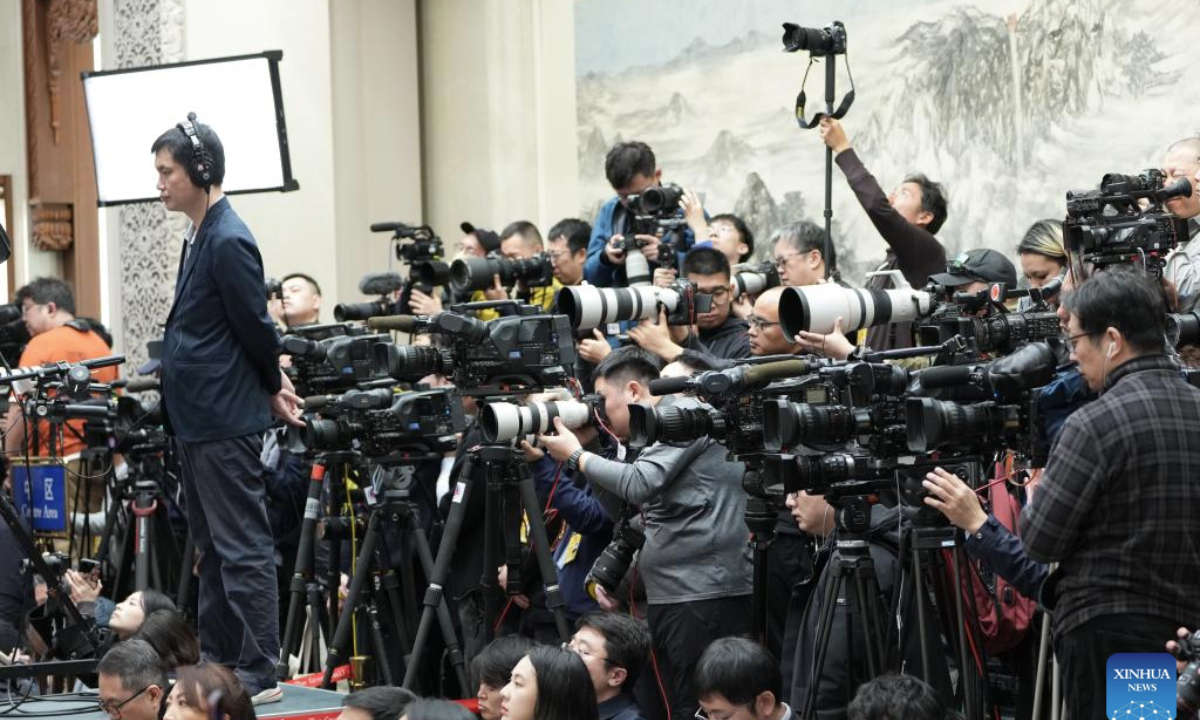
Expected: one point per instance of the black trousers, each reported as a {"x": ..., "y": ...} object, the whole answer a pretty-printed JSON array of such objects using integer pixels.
[
  {"x": 1083, "y": 655},
  {"x": 238, "y": 613},
  {"x": 681, "y": 631}
]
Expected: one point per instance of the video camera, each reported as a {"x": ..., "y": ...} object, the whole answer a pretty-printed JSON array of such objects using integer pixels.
[
  {"x": 513, "y": 354},
  {"x": 1125, "y": 220},
  {"x": 591, "y": 307},
  {"x": 330, "y": 358},
  {"x": 381, "y": 422},
  {"x": 426, "y": 271}
]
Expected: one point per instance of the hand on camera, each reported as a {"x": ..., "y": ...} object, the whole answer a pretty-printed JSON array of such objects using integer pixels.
[
  {"x": 82, "y": 588},
  {"x": 496, "y": 291},
  {"x": 656, "y": 337},
  {"x": 663, "y": 277},
  {"x": 649, "y": 245},
  {"x": 952, "y": 497},
  {"x": 287, "y": 405},
  {"x": 613, "y": 251},
  {"x": 562, "y": 444},
  {"x": 422, "y": 304},
  {"x": 606, "y": 601},
  {"x": 532, "y": 454},
  {"x": 595, "y": 350},
  {"x": 834, "y": 345},
  {"x": 833, "y": 134},
  {"x": 1173, "y": 648}
]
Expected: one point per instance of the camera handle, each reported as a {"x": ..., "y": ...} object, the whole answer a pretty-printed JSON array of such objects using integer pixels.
[{"x": 805, "y": 124}]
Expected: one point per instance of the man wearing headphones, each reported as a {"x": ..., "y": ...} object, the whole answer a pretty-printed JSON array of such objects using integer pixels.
[
  {"x": 1119, "y": 493},
  {"x": 221, "y": 383}
]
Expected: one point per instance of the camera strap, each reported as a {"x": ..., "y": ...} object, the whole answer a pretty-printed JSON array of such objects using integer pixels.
[{"x": 802, "y": 98}]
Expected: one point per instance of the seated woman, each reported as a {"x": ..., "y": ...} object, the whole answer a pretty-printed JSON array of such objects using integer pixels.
[
  {"x": 198, "y": 685},
  {"x": 550, "y": 683}
]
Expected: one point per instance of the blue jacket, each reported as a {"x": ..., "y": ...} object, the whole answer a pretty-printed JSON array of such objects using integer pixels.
[
  {"x": 595, "y": 270},
  {"x": 220, "y": 358},
  {"x": 1002, "y": 551},
  {"x": 586, "y": 518}
]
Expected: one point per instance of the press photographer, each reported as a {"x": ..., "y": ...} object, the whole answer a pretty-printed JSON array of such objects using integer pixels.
[
  {"x": 1118, "y": 489},
  {"x": 695, "y": 560},
  {"x": 631, "y": 169},
  {"x": 301, "y": 300},
  {"x": 1182, "y": 161},
  {"x": 907, "y": 220},
  {"x": 568, "y": 250},
  {"x": 715, "y": 332}
]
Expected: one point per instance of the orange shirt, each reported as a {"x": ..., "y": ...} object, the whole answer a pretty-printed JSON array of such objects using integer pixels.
[{"x": 66, "y": 343}]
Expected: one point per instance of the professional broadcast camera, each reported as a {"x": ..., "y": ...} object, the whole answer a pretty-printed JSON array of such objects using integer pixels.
[
  {"x": 503, "y": 421},
  {"x": 381, "y": 422},
  {"x": 735, "y": 398},
  {"x": 1125, "y": 221},
  {"x": 330, "y": 358},
  {"x": 995, "y": 407},
  {"x": 427, "y": 271},
  {"x": 512, "y": 354},
  {"x": 472, "y": 273},
  {"x": 591, "y": 307}
]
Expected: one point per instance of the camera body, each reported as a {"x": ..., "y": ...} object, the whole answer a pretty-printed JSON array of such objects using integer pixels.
[
  {"x": 381, "y": 422},
  {"x": 1125, "y": 220},
  {"x": 613, "y": 564},
  {"x": 513, "y": 354},
  {"x": 818, "y": 42},
  {"x": 330, "y": 358}
]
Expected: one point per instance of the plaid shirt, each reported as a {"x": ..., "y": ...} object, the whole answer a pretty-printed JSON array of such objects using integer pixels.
[{"x": 1119, "y": 503}]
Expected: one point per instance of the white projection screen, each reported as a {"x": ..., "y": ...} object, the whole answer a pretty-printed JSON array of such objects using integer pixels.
[{"x": 239, "y": 97}]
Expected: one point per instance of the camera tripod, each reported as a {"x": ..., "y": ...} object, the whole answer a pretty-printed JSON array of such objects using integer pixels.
[
  {"x": 139, "y": 513},
  {"x": 393, "y": 506},
  {"x": 510, "y": 489},
  {"x": 761, "y": 517}
]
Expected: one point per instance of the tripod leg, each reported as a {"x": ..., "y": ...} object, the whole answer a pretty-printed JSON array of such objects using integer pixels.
[
  {"x": 449, "y": 637},
  {"x": 341, "y": 636},
  {"x": 541, "y": 546},
  {"x": 302, "y": 573},
  {"x": 824, "y": 628},
  {"x": 490, "y": 584},
  {"x": 437, "y": 576},
  {"x": 761, "y": 577},
  {"x": 863, "y": 606},
  {"x": 965, "y": 677},
  {"x": 922, "y": 618},
  {"x": 381, "y": 649}
]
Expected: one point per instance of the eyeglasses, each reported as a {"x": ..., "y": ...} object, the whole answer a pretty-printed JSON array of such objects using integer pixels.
[
  {"x": 719, "y": 295},
  {"x": 586, "y": 654},
  {"x": 781, "y": 262},
  {"x": 114, "y": 711},
  {"x": 759, "y": 324},
  {"x": 1072, "y": 338},
  {"x": 702, "y": 715}
]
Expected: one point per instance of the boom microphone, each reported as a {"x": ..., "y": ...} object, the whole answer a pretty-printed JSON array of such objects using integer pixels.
[
  {"x": 403, "y": 323},
  {"x": 397, "y": 227}
]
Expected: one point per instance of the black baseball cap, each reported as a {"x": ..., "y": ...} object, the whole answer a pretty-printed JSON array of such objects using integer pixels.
[
  {"x": 487, "y": 238},
  {"x": 978, "y": 265}
]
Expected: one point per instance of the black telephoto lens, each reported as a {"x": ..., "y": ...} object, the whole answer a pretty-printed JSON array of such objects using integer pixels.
[
  {"x": 787, "y": 424},
  {"x": 648, "y": 425},
  {"x": 406, "y": 363},
  {"x": 475, "y": 273},
  {"x": 934, "y": 423},
  {"x": 613, "y": 564},
  {"x": 348, "y": 312},
  {"x": 431, "y": 273},
  {"x": 323, "y": 434}
]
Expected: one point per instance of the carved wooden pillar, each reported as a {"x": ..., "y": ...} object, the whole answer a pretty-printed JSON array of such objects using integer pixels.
[{"x": 58, "y": 37}]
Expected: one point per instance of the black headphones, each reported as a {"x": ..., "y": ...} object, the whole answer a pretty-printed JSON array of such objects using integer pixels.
[{"x": 200, "y": 167}]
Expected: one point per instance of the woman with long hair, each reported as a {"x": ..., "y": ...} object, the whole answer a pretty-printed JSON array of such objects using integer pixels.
[
  {"x": 196, "y": 686},
  {"x": 550, "y": 683}
]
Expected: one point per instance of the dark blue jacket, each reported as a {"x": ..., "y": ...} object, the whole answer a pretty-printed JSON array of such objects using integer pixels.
[
  {"x": 584, "y": 515},
  {"x": 220, "y": 359},
  {"x": 598, "y": 272}
]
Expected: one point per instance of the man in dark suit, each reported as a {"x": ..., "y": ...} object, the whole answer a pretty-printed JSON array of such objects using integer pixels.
[{"x": 221, "y": 383}]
